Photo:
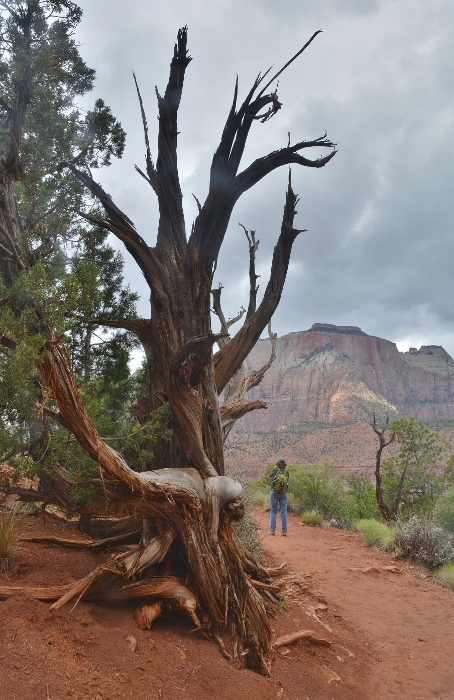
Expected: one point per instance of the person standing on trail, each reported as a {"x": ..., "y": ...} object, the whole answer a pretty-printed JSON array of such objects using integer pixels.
[{"x": 280, "y": 478}]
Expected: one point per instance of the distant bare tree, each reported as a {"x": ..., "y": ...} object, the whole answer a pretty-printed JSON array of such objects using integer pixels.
[{"x": 381, "y": 434}]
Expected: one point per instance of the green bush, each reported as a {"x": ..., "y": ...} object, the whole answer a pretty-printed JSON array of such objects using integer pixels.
[
  {"x": 258, "y": 497},
  {"x": 314, "y": 488},
  {"x": 311, "y": 517},
  {"x": 446, "y": 575},
  {"x": 10, "y": 532},
  {"x": 421, "y": 540},
  {"x": 375, "y": 533},
  {"x": 444, "y": 511},
  {"x": 360, "y": 500}
]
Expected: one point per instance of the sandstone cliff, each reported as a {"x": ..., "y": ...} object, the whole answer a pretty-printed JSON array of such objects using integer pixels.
[{"x": 335, "y": 374}]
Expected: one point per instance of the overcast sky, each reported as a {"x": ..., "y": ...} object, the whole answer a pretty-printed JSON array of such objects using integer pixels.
[{"x": 378, "y": 252}]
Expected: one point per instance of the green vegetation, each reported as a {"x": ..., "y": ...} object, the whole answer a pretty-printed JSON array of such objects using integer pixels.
[
  {"x": 316, "y": 488},
  {"x": 444, "y": 511},
  {"x": 311, "y": 517},
  {"x": 446, "y": 575},
  {"x": 375, "y": 533},
  {"x": 423, "y": 532},
  {"x": 360, "y": 502},
  {"x": 422, "y": 541},
  {"x": 413, "y": 479}
]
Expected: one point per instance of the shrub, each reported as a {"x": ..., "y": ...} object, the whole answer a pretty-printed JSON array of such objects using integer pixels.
[
  {"x": 315, "y": 488},
  {"x": 311, "y": 517},
  {"x": 444, "y": 511},
  {"x": 375, "y": 533},
  {"x": 423, "y": 541},
  {"x": 258, "y": 497},
  {"x": 360, "y": 501},
  {"x": 446, "y": 575},
  {"x": 9, "y": 536},
  {"x": 247, "y": 529}
]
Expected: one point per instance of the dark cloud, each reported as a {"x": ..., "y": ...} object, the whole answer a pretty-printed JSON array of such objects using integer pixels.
[{"x": 379, "y": 248}]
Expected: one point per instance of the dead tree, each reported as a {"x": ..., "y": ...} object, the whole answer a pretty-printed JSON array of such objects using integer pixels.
[
  {"x": 381, "y": 434},
  {"x": 187, "y": 503},
  {"x": 235, "y": 406}
]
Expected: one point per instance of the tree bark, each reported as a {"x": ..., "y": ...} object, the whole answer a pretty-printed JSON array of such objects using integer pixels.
[
  {"x": 384, "y": 509},
  {"x": 187, "y": 503}
]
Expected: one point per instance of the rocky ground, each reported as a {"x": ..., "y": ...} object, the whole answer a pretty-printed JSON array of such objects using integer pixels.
[{"x": 385, "y": 627}]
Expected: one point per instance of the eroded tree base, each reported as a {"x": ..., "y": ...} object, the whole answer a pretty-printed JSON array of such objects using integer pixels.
[{"x": 157, "y": 573}]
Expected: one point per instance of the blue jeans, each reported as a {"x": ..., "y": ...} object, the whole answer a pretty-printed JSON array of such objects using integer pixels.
[{"x": 280, "y": 499}]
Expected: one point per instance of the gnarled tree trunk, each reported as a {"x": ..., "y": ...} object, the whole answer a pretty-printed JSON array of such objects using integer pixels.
[{"x": 187, "y": 503}]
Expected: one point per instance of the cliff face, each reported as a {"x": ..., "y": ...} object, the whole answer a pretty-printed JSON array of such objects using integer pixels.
[{"x": 333, "y": 374}]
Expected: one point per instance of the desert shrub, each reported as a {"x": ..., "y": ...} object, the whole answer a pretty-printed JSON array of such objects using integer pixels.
[
  {"x": 446, "y": 575},
  {"x": 444, "y": 511},
  {"x": 247, "y": 529},
  {"x": 311, "y": 517},
  {"x": 258, "y": 497},
  {"x": 360, "y": 500},
  {"x": 375, "y": 533},
  {"x": 315, "y": 488},
  {"x": 10, "y": 531},
  {"x": 421, "y": 540}
]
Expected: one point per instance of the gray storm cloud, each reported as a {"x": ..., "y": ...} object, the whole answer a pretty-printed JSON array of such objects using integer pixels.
[{"x": 379, "y": 248}]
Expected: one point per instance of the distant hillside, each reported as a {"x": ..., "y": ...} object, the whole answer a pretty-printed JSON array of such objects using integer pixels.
[
  {"x": 323, "y": 389},
  {"x": 335, "y": 374}
]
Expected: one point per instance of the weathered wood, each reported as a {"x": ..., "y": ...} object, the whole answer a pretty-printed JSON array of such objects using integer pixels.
[
  {"x": 309, "y": 635},
  {"x": 184, "y": 493}
]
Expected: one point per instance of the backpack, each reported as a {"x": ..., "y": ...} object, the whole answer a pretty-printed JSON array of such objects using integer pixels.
[{"x": 280, "y": 481}]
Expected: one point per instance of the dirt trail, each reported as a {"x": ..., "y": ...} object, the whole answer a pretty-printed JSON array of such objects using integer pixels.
[
  {"x": 405, "y": 617},
  {"x": 390, "y": 634}
]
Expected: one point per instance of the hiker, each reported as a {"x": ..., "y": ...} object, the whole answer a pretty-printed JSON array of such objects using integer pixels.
[{"x": 279, "y": 494}]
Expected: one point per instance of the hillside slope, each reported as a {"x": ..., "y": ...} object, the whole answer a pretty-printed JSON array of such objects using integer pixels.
[{"x": 335, "y": 374}]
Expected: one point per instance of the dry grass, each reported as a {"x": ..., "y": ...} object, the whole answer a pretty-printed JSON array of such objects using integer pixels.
[
  {"x": 311, "y": 517},
  {"x": 446, "y": 575},
  {"x": 10, "y": 534}
]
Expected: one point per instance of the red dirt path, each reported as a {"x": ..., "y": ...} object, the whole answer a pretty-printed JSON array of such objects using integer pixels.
[
  {"x": 392, "y": 634},
  {"x": 404, "y": 617}
]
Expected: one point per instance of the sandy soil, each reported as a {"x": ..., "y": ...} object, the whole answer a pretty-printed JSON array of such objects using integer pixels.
[{"x": 391, "y": 633}]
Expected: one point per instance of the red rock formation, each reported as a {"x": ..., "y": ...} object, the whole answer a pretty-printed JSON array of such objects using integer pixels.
[{"x": 335, "y": 374}]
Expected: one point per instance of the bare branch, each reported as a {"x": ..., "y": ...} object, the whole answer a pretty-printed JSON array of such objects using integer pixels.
[
  {"x": 231, "y": 412},
  {"x": 253, "y": 277},
  {"x": 15, "y": 254},
  {"x": 225, "y": 324},
  {"x": 228, "y": 360},
  {"x": 151, "y": 170},
  {"x": 285, "y": 156},
  {"x": 171, "y": 231},
  {"x": 289, "y": 62},
  {"x": 134, "y": 325},
  {"x": 121, "y": 226},
  {"x": 256, "y": 376}
]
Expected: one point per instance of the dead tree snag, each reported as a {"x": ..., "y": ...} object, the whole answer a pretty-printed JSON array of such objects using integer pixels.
[{"x": 187, "y": 503}]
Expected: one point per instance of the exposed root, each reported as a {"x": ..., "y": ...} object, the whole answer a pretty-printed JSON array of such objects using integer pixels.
[
  {"x": 147, "y": 614},
  {"x": 77, "y": 544},
  {"x": 259, "y": 586},
  {"x": 224, "y": 651},
  {"x": 278, "y": 571},
  {"x": 302, "y": 634}
]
